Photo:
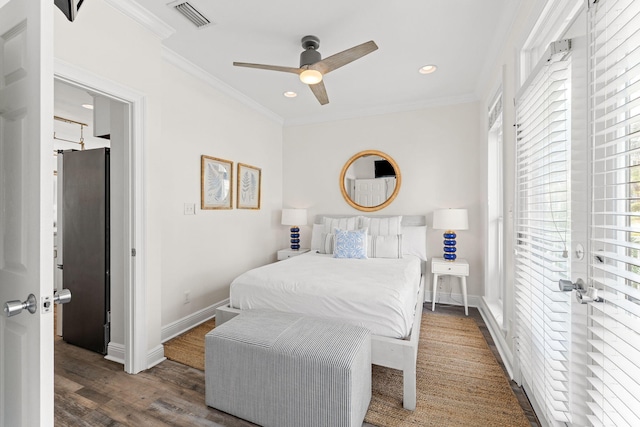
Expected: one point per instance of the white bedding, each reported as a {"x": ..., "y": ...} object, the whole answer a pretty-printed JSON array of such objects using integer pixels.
[{"x": 377, "y": 293}]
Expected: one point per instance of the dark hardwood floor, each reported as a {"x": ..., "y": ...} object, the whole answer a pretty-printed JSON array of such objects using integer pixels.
[{"x": 92, "y": 391}]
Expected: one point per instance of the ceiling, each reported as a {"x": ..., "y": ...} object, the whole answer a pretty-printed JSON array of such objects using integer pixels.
[
  {"x": 461, "y": 37},
  {"x": 68, "y": 101}
]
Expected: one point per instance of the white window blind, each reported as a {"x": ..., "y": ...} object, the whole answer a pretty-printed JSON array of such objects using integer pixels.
[
  {"x": 614, "y": 110},
  {"x": 542, "y": 312}
]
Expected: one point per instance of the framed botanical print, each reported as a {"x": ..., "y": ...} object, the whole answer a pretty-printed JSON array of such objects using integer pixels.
[
  {"x": 249, "y": 186},
  {"x": 216, "y": 178}
]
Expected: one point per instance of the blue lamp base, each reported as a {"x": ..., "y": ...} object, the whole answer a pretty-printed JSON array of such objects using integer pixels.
[
  {"x": 449, "y": 245},
  {"x": 295, "y": 238}
]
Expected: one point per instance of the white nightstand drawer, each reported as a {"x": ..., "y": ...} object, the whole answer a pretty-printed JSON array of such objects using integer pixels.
[
  {"x": 450, "y": 267},
  {"x": 288, "y": 253}
]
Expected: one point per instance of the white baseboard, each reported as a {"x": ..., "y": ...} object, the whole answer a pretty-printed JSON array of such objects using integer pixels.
[
  {"x": 181, "y": 326},
  {"x": 115, "y": 352},
  {"x": 155, "y": 356},
  {"x": 498, "y": 338}
]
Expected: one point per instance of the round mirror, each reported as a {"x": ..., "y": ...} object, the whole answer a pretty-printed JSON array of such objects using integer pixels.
[{"x": 370, "y": 180}]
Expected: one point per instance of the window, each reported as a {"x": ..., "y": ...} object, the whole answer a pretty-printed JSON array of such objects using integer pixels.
[
  {"x": 542, "y": 227},
  {"x": 494, "y": 279},
  {"x": 614, "y": 109}
]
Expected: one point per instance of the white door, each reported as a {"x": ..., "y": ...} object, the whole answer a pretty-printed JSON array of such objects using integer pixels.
[
  {"x": 371, "y": 192},
  {"x": 26, "y": 218}
]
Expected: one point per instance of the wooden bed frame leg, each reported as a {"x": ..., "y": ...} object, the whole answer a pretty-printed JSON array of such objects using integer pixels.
[
  {"x": 410, "y": 356},
  {"x": 409, "y": 379}
]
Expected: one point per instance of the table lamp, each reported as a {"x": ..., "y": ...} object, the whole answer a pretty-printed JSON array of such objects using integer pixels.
[
  {"x": 450, "y": 220},
  {"x": 294, "y": 218}
]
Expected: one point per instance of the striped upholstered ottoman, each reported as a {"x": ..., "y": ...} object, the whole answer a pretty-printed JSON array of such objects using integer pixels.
[{"x": 284, "y": 369}]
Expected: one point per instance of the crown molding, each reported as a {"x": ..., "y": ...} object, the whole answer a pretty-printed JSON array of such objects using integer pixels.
[
  {"x": 380, "y": 110},
  {"x": 189, "y": 67},
  {"x": 145, "y": 18}
]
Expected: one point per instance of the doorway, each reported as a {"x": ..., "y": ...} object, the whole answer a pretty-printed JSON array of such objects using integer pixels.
[
  {"x": 128, "y": 309},
  {"x": 84, "y": 225}
]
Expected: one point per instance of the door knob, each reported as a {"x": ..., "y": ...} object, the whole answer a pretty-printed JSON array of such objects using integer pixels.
[
  {"x": 62, "y": 296},
  {"x": 11, "y": 308},
  {"x": 567, "y": 285}
]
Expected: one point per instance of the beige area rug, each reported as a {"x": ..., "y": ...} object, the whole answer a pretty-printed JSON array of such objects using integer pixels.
[
  {"x": 459, "y": 380},
  {"x": 188, "y": 348}
]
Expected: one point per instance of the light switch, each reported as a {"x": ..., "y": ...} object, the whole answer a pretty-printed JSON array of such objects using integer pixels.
[{"x": 189, "y": 208}]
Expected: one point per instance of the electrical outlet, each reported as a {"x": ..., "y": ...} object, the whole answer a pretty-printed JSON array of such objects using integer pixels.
[
  {"x": 440, "y": 283},
  {"x": 187, "y": 297},
  {"x": 189, "y": 208}
]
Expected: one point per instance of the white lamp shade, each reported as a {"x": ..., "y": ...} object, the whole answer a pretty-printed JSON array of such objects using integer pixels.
[
  {"x": 450, "y": 219},
  {"x": 294, "y": 216}
]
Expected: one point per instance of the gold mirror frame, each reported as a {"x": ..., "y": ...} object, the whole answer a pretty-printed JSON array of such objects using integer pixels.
[{"x": 344, "y": 173}]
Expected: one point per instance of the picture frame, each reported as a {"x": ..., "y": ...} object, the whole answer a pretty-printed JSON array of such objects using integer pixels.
[
  {"x": 249, "y": 186},
  {"x": 216, "y": 183}
]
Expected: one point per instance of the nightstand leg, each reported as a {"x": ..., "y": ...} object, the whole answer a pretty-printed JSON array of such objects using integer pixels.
[
  {"x": 463, "y": 281},
  {"x": 433, "y": 294}
]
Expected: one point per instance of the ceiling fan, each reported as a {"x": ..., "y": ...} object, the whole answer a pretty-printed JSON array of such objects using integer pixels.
[{"x": 313, "y": 67}]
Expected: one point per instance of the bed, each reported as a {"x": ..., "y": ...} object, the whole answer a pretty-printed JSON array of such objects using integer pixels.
[{"x": 383, "y": 292}]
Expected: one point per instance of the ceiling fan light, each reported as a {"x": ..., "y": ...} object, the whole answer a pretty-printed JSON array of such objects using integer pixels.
[{"x": 311, "y": 77}]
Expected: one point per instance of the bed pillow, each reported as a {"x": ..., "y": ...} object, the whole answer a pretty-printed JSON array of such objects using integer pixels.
[
  {"x": 390, "y": 226},
  {"x": 317, "y": 242},
  {"x": 349, "y": 223},
  {"x": 350, "y": 244},
  {"x": 414, "y": 241},
  {"x": 385, "y": 246},
  {"x": 327, "y": 243}
]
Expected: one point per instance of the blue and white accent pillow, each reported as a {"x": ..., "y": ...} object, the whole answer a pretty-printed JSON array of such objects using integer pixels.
[{"x": 350, "y": 244}]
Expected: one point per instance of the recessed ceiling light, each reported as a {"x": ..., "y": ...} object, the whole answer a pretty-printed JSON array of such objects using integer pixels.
[
  {"x": 290, "y": 94},
  {"x": 88, "y": 106},
  {"x": 427, "y": 69}
]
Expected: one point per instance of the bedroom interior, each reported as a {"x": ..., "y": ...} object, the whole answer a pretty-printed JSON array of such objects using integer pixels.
[{"x": 543, "y": 208}]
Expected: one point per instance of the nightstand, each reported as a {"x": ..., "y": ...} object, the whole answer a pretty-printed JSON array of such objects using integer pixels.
[
  {"x": 458, "y": 268},
  {"x": 289, "y": 253}
]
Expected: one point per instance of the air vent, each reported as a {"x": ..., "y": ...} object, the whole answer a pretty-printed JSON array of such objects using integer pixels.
[{"x": 191, "y": 13}]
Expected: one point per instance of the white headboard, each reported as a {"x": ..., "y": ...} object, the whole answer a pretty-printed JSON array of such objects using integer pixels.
[{"x": 407, "y": 221}]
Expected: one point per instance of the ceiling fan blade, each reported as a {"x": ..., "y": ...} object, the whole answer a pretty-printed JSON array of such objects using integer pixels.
[
  {"x": 342, "y": 58},
  {"x": 269, "y": 67},
  {"x": 320, "y": 92}
]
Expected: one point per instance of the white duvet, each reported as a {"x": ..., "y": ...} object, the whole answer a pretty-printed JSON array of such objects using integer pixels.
[{"x": 377, "y": 293}]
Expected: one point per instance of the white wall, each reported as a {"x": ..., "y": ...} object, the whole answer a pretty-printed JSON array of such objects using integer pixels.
[
  {"x": 437, "y": 151},
  {"x": 184, "y": 119},
  {"x": 202, "y": 253}
]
